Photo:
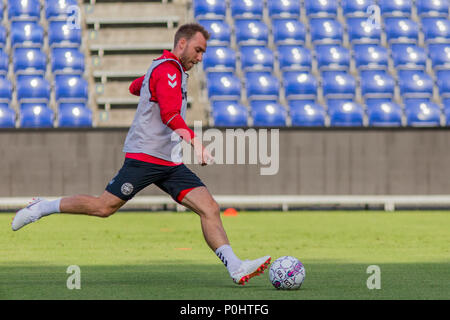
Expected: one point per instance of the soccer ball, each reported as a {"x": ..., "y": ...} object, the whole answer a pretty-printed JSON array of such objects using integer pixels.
[{"x": 287, "y": 273}]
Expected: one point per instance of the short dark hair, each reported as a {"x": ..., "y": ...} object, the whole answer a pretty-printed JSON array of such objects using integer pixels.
[{"x": 189, "y": 30}]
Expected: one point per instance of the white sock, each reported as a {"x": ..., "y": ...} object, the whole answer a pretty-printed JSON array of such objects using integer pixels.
[
  {"x": 229, "y": 259},
  {"x": 48, "y": 207}
]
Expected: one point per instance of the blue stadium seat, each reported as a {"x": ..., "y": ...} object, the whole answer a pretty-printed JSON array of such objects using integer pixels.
[
  {"x": 299, "y": 85},
  {"x": 415, "y": 84},
  {"x": 223, "y": 86},
  {"x": 251, "y": 32},
  {"x": 255, "y": 58},
  {"x": 332, "y": 57},
  {"x": 370, "y": 56},
  {"x": 305, "y": 113},
  {"x": 443, "y": 82},
  {"x": 59, "y": 9},
  {"x": 220, "y": 31},
  {"x": 361, "y": 30},
  {"x": 67, "y": 60},
  {"x": 209, "y": 9},
  {"x": 293, "y": 57},
  {"x": 32, "y": 88},
  {"x": 229, "y": 114},
  {"x": 261, "y": 85},
  {"x": 29, "y": 61},
  {"x": 345, "y": 113},
  {"x": 36, "y": 115},
  {"x": 3, "y": 36},
  {"x": 283, "y": 8},
  {"x": 26, "y": 33},
  {"x": 376, "y": 84},
  {"x": 322, "y": 8},
  {"x": 61, "y": 34},
  {"x": 436, "y": 29},
  {"x": 384, "y": 114},
  {"x": 439, "y": 54},
  {"x": 268, "y": 114},
  {"x": 5, "y": 90},
  {"x": 422, "y": 114},
  {"x": 247, "y": 9},
  {"x": 219, "y": 58},
  {"x": 4, "y": 63},
  {"x": 338, "y": 85},
  {"x": 408, "y": 56},
  {"x": 24, "y": 9},
  {"x": 74, "y": 115},
  {"x": 7, "y": 116},
  {"x": 70, "y": 88},
  {"x": 288, "y": 31},
  {"x": 325, "y": 30},
  {"x": 432, "y": 8},
  {"x": 356, "y": 7},
  {"x": 400, "y": 29},
  {"x": 395, "y": 8}
]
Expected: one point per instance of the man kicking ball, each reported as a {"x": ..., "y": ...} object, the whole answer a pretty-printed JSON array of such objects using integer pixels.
[{"x": 153, "y": 155}]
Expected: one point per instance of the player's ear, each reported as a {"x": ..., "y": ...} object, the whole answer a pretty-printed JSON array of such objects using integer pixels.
[{"x": 182, "y": 43}]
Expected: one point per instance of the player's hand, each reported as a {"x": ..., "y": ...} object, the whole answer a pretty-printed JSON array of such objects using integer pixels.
[{"x": 203, "y": 156}]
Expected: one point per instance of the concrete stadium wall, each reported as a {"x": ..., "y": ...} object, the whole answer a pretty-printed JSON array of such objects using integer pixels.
[{"x": 312, "y": 162}]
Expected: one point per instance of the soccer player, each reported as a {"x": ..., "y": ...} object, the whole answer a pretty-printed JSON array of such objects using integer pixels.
[{"x": 153, "y": 155}]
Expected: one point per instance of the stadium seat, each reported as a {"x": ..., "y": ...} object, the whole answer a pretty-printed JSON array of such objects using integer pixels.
[
  {"x": 443, "y": 82},
  {"x": 293, "y": 57},
  {"x": 345, "y": 113},
  {"x": 67, "y": 60},
  {"x": 384, "y": 114},
  {"x": 305, "y": 113},
  {"x": 5, "y": 90},
  {"x": 24, "y": 9},
  {"x": 220, "y": 32},
  {"x": 29, "y": 61},
  {"x": 439, "y": 54},
  {"x": 229, "y": 114},
  {"x": 436, "y": 29},
  {"x": 332, "y": 57},
  {"x": 283, "y": 8},
  {"x": 376, "y": 84},
  {"x": 3, "y": 36},
  {"x": 247, "y": 9},
  {"x": 288, "y": 31},
  {"x": 261, "y": 85},
  {"x": 415, "y": 84},
  {"x": 26, "y": 33},
  {"x": 70, "y": 88},
  {"x": 338, "y": 85},
  {"x": 370, "y": 56},
  {"x": 322, "y": 8},
  {"x": 325, "y": 30},
  {"x": 58, "y": 9},
  {"x": 408, "y": 56},
  {"x": 4, "y": 63},
  {"x": 256, "y": 58},
  {"x": 446, "y": 103},
  {"x": 32, "y": 88},
  {"x": 36, "y": 115},
  {"x": 209, "y": 9},
  {"x": 361, "y": 30},
  {"x": 251, "y": 32},
  {"x": 299, "y": 85},
  {"x": 422, "y": 114},
  {"x": 219, "y": 58},
  {"x": 268, "y": 114},
  {"x": 60, "y": 34},
  {"x": 72, "y": 115},
  {"x": 223, "y": 86},
  {"x": 399, "y": 8},
  {"x": 358, "y": 8},
  {"x": 432, "y": 8},
  {"x": 7, "y": 116},
  {"x": 400, "y": 29}
]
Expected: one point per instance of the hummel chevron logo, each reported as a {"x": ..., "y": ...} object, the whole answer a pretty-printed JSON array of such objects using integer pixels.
[{"x": 172, "y": 83}]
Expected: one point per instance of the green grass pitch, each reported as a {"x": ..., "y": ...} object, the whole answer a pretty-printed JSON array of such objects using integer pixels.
[{"x": 149, "y": 255}]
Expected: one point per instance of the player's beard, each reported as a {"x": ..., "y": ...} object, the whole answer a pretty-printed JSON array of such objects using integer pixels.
[{"x": 185, "y": 61}]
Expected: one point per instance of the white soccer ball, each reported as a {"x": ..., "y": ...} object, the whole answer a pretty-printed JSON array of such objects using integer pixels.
[{"x": 287, "y": 273}]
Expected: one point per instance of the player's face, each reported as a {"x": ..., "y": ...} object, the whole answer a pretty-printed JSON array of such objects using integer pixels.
[{"x": 193, "y": 51}]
